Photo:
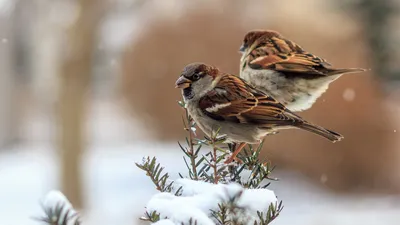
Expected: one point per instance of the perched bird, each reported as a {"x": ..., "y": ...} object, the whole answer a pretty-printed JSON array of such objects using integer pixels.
[
  {"x": 217, "y": 100},
  {"x": 281, "y": 68}
]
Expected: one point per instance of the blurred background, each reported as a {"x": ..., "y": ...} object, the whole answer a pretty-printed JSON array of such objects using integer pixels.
[{"x": 87, "y": 90}]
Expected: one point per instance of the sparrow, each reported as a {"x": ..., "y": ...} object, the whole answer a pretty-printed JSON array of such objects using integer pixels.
[
  {"x": 242, "y": 114},
  {"x": 281, "y": 68}
]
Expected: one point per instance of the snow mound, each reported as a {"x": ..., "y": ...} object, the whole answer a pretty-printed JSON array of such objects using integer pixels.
[
  {"x": 198, "y": 199},
  {"x": 56, "y": 197},
  {"x": 164, "y": 222},
  {"x": 60, "y": 207}
]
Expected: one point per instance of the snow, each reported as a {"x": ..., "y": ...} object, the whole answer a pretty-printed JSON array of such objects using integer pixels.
[
  {"x": 56, "y": 199},
  {"x": 199, "y": 198},
  {"x": 257, "y": 199},
  {"x": 178, "y": 209},
  {"x": 193, "y": 129},
  {"x": 349, "y": 94},
  {"x": 191, "y": 187},
  {"x": 164, "y": 222}
]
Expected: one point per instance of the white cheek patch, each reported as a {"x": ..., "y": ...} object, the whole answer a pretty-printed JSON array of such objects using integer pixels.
[{"x": 217, "y": 107}]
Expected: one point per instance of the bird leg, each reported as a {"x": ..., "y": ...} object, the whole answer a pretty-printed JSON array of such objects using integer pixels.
[{"x": 235, "y": 153}]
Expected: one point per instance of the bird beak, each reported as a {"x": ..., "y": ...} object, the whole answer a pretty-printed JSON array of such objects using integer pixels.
[
  {"x": 183, "y": 82},
  {"x": 242, "y": 48}
]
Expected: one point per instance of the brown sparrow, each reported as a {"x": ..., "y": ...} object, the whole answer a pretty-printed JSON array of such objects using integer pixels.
[
  {"x": 217, "y": 100},
  {"x": 281, "y": 68}
]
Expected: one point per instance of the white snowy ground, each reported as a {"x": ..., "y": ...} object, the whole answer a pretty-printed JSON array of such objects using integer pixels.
[{"x": 116, "y": 191}]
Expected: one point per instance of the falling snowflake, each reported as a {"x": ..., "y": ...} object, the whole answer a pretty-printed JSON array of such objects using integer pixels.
[
  {"x": 4, "y": 40},
  {"x": 113, "y": 62},
  {"x": 349, "y": 94},
  {"x": 323, "y": 178}
]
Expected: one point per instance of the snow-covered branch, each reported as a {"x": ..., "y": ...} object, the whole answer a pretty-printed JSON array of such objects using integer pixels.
[
  {"x": 58, "y": 210},
  {"x": 212, "y": 192},
  {"x": 202, "y": 202}
]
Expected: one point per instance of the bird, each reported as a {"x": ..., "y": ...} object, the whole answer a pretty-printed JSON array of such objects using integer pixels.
[
  {"x": 284, "y": 70},
  {"x": 241, "y": 113}
]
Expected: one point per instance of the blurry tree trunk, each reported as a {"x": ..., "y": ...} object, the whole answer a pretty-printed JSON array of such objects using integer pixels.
[{"x": 74, "y": 84}]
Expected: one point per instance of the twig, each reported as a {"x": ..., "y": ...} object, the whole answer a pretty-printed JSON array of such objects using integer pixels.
[
  {"x": 192, "y": 154},
  {"x": 214, "y": 164},
  {"x": 154, "y": 171}
]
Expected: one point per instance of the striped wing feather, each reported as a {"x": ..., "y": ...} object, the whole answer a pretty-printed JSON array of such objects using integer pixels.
[
  {"x": 283, "y": 55},
  {"x": 235, "y": 100}
]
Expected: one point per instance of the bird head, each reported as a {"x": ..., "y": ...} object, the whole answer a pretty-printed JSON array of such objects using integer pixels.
[
  {"x": 197, "y": 79},
  {"x": 254, "y": 37}
]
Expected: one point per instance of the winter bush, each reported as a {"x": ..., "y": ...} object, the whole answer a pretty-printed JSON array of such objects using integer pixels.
[{"x": 209, "y": 192}]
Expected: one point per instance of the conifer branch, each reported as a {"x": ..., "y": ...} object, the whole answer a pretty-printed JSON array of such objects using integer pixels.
[
  {"x": 214, "y": 160},
  {"x": 154, "y": 171},
  {"x": 60, "y": 214},
  {"x": 190, "y": 127},
  {"x": 151, "y": 217},
  {"x": 272, "y": 213}
]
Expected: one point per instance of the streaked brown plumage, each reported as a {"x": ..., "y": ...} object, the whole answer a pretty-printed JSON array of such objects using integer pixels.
[
  {"x": 282, "y": 68},
  {"x": 218, "y": 100}
]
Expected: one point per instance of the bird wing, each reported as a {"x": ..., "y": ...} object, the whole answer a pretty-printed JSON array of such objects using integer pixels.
[
  {"x": 280, "y": 54},
  {"x": 234, "y": 100}
]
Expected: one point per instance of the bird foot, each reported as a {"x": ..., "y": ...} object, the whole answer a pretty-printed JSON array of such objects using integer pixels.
[{"x": 235, "y": 153}]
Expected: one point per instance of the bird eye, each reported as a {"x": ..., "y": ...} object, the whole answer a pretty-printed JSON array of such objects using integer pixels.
[{"x": 196, "y": 76}]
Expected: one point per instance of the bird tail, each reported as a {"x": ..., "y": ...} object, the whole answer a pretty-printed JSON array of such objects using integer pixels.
[
  {"x": 328, "y": 134},
  {"x": 343, "y": 71}
]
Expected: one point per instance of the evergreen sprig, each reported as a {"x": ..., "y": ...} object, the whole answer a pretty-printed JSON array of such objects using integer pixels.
[
  {"x": 213, "y": 169},
  {"x": 154, "y": 217},
  {"x": 250, "y": 173},
  {"x": 59, "y": 214},
  {"x": 151, "y": 217},
  {"x": 154, "y": 171},
  {"x": 272, "y": 213},
  {"x": 192, "y": 149},
  {"x": 259, "y": 171},
  {"x": 231, "y": 213}
]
